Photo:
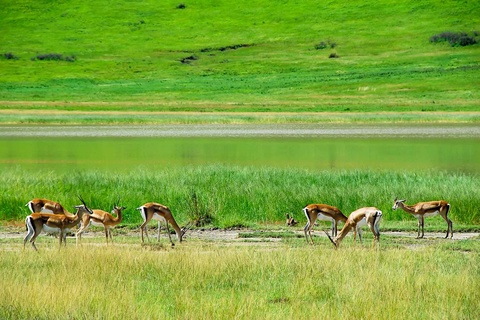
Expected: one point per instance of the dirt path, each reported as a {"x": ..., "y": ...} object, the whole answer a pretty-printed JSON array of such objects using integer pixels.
[{"x": 234, "y": 235}]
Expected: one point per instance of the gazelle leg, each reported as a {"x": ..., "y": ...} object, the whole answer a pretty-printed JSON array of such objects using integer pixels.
[
  {"x": 158, "y": 230},
  {"x": 307, "y": 228},
  {"x": 423, "y": 226},
  {"x": 418, "y": 228},
  {"x": 168, "y": 232},
  {"x": 106, "y": 234},
  {"x": 144, "y": 227}
]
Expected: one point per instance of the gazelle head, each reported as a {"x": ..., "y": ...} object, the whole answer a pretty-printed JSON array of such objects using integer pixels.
[
  {"x": 335, "y": 244},
  {"x": 396, "y": 203},
  {"x": 83, "y": 208},
  {"x": 117, "y": 208},
  {"x": 291, "y": 222},
  {"x": 186, "y": 228}
]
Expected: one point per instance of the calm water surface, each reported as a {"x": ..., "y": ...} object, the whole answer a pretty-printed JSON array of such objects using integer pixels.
[{"x": 382, "y": 147}]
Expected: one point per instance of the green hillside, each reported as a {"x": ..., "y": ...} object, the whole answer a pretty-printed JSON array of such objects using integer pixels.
[{"x": 258, "y": 55}]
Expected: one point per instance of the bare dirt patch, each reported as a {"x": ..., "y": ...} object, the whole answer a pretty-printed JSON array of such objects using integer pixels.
[{"x": 232, "y": 236}]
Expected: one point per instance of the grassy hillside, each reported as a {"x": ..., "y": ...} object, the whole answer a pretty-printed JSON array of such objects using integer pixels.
[{"x": 252, "y": 56}]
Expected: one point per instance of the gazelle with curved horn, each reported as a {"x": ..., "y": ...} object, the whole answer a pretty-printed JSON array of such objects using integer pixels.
[
  {"x": 371, "y": 215},
  {"x": 161, "y": 213},
  {"x": 422, "y": 210},
  {"x": 323, "y": 212},
  {"x": 100, "y": 218},
  {"x": 50, "y": 222}
]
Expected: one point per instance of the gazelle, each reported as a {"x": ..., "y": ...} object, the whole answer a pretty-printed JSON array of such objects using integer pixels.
[
  {"x": 100, "y": 218},
  {"x": 39, "y": 205},
  {"x": 290, "y": 221},
  {"x": 50, "y": 222},
  {"x": 322, "y": 212},
  {"x": 161, "y": 213},
  {"x": 371, "y": 215},
  {"x": 422, "y": 210},
  {"x": 46, "y": 206}
]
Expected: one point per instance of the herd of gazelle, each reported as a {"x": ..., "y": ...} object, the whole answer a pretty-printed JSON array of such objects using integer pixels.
[
  {"x": 50, "y": 216},
  {"x": 372, "y": 216}
]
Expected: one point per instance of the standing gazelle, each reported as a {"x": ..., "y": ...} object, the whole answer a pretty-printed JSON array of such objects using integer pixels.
[
  {"x": 50, "y": 222},
  {"x": 100, "y": 218},
  {"x": 371, "y": 215},
  {"x": 161, "y": 213},
  {"x": 422, "y": 210},
  {"x": 322, "y": 212}
]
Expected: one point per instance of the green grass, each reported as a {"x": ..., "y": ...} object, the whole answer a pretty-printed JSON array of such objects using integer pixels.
[
  {"x": 128, "y": 58},
  {"x": 204, "y": 281},
  {"x": 243, "y": 196},
  {"x": 47, "y": 115}
]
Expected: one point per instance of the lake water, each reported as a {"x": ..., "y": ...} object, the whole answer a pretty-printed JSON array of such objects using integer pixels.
[{"x": 319, "y": 147}]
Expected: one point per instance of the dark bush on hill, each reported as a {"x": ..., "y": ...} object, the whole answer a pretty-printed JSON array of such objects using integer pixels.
[
  {"x": 54, "y": 57},
  {"x": 325, "y": 44},
  {"x": 455, "y": 39},
  {"x": 10, "y": 56},
  {"x": 189, "y": 59}
]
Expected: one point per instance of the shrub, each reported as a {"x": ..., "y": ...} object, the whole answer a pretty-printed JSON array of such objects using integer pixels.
[
  {"x": 455, "y": 39},
  {"x": 10, "y": 56},
  {"x": 54, "y": 57},
  {"x": 189, "y": 59},
  {"x": 323, "y": 45},
  {"x": 200, "y": 213}
]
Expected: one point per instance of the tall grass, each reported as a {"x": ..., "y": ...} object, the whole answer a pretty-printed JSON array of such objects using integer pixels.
[
  {"x": 241, "y": 196},
  {"x": 202, "y": 281}
]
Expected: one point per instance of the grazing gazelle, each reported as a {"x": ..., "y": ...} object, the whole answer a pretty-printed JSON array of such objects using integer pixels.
[
  {"x": 422, "y": 210},
  {"x": 100, "y": 218},
  {"x": 371, "y": 215},
  {"x": 50, "y": 222},
  {"x": 323, "y": 212},
  {"x": 46, "y": 206},
  {"x": 291, "y": 222},
  {"x": 161, "y": 213}
]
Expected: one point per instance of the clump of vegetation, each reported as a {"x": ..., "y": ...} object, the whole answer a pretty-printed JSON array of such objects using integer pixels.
[
  {"x": 333, "y": 55},
  {"x": 225, "y": 48},
  {"x": 200, "y": 214},
  {"x": 325, "y": 44},
  {"x": 181, "y": 6},
  {"x": 189, "y": 59},
  {"x": 54, "y": 57},
  {"x": 10, "y": 56},
  {"x": 455, "y": 39}
]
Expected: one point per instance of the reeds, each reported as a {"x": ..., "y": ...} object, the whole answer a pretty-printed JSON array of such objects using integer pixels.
[{"x": 231, "y": 196}]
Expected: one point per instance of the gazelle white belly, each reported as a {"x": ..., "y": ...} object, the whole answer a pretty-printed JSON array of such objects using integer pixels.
[
  {"x": 48, "y": 229},
  {"x": 362, "y": 223},
  {"x": 323, "y": 217},
  {"x": 428, "y": 214},
  {"x": 96, "y": 224},
  {"x": 158, "y": 217},
  {"x": 45, "y": 210}
]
